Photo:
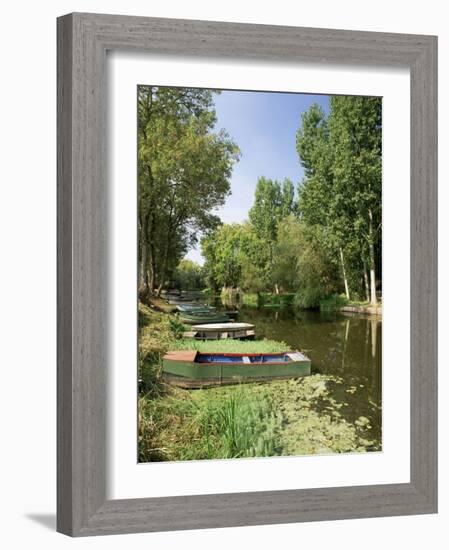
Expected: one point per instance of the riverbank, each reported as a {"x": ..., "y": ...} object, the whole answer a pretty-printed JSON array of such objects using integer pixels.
[
  {"x": 334, "y": 302},
  {"x": 364, "y": 309},
  {"x": 294, "y": 417}
]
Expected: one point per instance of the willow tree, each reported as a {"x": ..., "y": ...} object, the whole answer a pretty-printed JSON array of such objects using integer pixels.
[
  {"x": 184, "y": 171},
  {"x": 302, "y": 264}
]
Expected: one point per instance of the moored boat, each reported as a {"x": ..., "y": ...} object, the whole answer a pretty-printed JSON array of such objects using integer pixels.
[
  {"x": 192, "y": 369},
  {"x": 221, "y": 331},
  {"x": 195, "y": 308},
  {"x": 232, "y": 314},
  {"x": 204, "y": 317}
]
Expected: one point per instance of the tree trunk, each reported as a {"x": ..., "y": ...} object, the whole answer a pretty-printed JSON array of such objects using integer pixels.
[
  {"x": 146, "y": 268},
  {"x": 164, "y": 264},
  {"x": 143, "y": 266},
  {"x": 151, "y": 261},
  {"x": 372, "y": 261},
  {"x": 143, "y": 271},
  {"x": 343, "y": 269},
  {"x": 365, "y": 280}
]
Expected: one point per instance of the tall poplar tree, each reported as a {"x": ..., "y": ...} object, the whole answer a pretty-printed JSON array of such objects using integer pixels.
[
  {"x": 355, "y": 127},
  {"x": 341, "y": 190}
]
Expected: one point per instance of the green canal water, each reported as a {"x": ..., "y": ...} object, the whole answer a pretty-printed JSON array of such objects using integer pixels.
[{"x": 346, "y": 346}]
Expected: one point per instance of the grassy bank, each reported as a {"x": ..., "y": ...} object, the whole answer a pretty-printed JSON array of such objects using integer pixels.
[
  {"x": 339, "y": 302},
  {"x": 292, "y": 417}
]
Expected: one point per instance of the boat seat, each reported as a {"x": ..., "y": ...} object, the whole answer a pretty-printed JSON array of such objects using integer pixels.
[{"x": 246, "y": 360}]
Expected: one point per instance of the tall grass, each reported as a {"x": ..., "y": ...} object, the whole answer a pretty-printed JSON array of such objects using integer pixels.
[
  {"x": 238, "y": 426},
  {"x": 231, "y": 346},
  {"x": 176, "y": 424},
  {"x": 208, "y": 425}
]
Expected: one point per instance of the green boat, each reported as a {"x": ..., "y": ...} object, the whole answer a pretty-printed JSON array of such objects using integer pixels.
[
  {"x": 192, "y": 369},
  {"x": 221, "y": 331},
  {"x": 195, "y": 308},
  {"x": 203, "y": 317}
]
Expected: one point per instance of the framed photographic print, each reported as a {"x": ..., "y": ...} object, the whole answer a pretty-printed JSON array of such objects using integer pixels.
[{"x": 246, "y": 274}]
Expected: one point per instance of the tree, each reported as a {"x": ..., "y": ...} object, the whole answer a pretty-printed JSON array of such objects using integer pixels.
[
  {"x": 316, "y": 196},
  {"x": 188, "y": 275},
  {"x": 184, "y": 173},
  {"x": 223, "y": 252},
  {"x": 356, "y": 139},
  {"x": 272, "y": 202},
  {"x": 341, "y": 190},
  {"x": 302, "y": 263}
]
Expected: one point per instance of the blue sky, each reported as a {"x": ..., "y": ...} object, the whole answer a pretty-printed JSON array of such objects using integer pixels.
[{"x": 264, "y": 126}]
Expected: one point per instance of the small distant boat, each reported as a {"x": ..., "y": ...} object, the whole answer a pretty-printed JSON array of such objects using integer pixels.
[
  {"x": 231, "y": 313},
  {"x": 221, "y": 331},
  {"x": 178, "y": 299},
  {"x": 192, "y": 369},
  {"x": 196, "y": 308},
  {"x": 171, "y": 292},
  {"x": 202, "y": 317}
]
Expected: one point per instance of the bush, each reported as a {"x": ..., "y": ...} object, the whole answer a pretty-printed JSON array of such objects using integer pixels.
[
  {"x": 251, "y": 299},
  {"x": 333, "y": 302},
  {"x": 177, "y": 328},
  {"x": 308, "y": 298}
]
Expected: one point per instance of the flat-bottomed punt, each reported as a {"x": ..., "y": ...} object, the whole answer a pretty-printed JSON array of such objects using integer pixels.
[
  {"x": 221, "y": 331},
  {"x": 192, "y": 369},
  {"x": 195, "y": 308},
  {"x": 202, "y": 317}
]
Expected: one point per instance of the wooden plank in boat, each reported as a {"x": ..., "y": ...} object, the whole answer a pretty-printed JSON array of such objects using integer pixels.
[
  {"x": 184, "y": 355},
  {"x": 216, "y": 327}
]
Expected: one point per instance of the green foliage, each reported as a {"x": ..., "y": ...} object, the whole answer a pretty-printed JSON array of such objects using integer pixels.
[
  {"x": 236, "y": 426},
  {"x": 311, "y": 140},
  {"x": 341, "y": 192},
  {"x": 177, "y": 328},
  {"x": 230, "y": 423},
  {"x": 333, "y": 302},
  {"x": 251, "y": 299},
  {"x": 232, "y": 254},
  {"x": 331, "y": 235},
  {"x": 184, "y": 173},
  {"x": 243, "y": 255},
  {"x": 294, "y": 417},
  {"x": 273, "y": 202},
  {"x": 303, "y": 264},
  {"x": 188, "y": 275}
]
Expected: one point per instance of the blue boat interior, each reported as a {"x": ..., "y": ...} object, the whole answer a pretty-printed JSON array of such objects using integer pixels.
[{"x": 216, "y": 358}]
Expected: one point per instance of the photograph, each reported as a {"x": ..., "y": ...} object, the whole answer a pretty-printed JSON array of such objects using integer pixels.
[{"x": 259, "y": 287}]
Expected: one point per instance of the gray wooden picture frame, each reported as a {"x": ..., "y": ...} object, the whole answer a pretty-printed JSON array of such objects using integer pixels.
[{"x": 83, "y": 40}]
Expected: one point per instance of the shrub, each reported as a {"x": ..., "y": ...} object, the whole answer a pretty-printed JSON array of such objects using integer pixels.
[{"x": 333, "y": 302}]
